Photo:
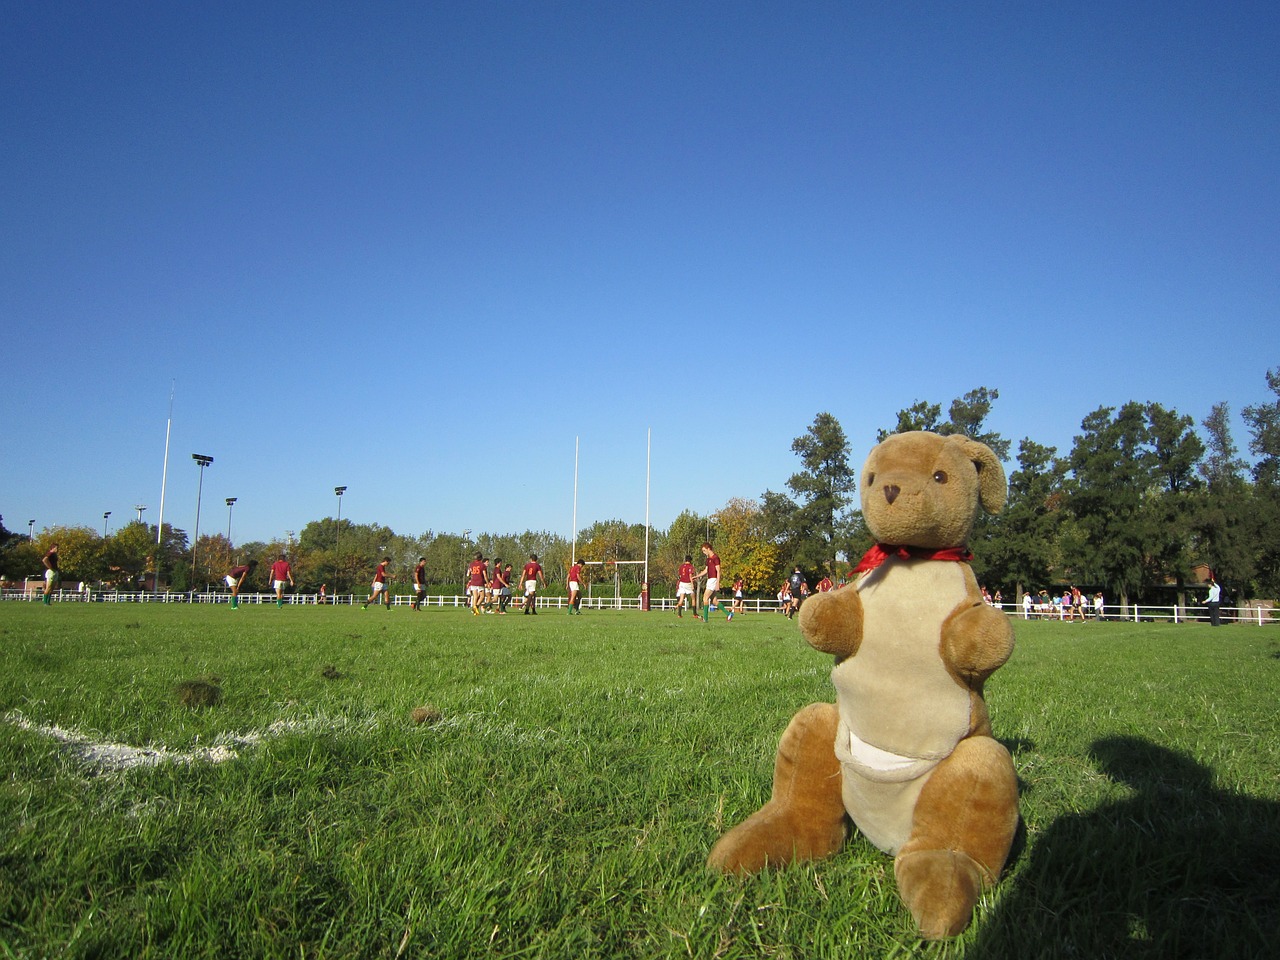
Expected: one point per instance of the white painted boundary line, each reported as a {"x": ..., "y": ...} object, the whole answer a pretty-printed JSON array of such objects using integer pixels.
[{"x": 122, "y": 756}]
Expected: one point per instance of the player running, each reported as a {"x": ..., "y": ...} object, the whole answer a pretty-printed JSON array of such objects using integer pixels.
[
  {"x": 712, "y": 572},
  {"x": 574, "y": 583},
  {"x": 378, "y": 591}
]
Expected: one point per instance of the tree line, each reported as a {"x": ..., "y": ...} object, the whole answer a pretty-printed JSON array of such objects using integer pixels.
[{"x": 1140, "y": 507}]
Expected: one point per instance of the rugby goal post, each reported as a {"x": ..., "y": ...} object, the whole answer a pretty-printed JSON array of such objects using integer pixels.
[{"x": 617, "y": 580}]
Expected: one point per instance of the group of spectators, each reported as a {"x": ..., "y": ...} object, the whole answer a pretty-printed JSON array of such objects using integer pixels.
[{"x": 1071, "y": 605}]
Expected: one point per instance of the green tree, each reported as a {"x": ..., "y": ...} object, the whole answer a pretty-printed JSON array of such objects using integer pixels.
[
  {"x": 824, "y": 489},
  {"x": 1223, "y": 512},
  {"x": 81, "y": 552},
  {"x": 921, "y": 415},
  {"x": 684, "y": 536},
  {"x": 130, "y": 555},
  {"x": 744, "y": 547},
  {"x": 1110, "y": 481},
  {"x": 1263, "y": 420},
  {"x": 966, "y": 416},
  {"x": 1175, "y": 454},
  {"x": 7, "y": 537},
  {"x": 20, "y": 560},
  {"x": 1023, "y": 550}
]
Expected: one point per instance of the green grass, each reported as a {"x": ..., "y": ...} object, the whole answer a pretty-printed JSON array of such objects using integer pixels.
[{"x": 581, "y": 768}]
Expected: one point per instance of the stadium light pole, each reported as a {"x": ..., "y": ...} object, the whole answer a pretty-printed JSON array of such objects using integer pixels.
[
  {"x": 231, "y": 502},
  {"x": 203, "y": 462},
  {"x": 139, "y": 507},
  {"x": 31, "y": 530},
  {"x": 337, "y": 546},
  {"x": 104, "y": 524}
]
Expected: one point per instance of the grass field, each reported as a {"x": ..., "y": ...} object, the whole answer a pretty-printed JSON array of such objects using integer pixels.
[{"x": 561, "y": 797}]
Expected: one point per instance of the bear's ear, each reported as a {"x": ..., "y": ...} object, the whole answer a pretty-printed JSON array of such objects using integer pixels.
[{"x": 993, "y": 490}]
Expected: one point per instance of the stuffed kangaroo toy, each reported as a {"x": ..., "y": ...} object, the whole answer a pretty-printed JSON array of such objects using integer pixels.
[{"x": 906, "y": 752}]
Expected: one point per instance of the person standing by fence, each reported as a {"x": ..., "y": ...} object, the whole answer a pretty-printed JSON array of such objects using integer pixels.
[{"x": 1214, "y": 603}]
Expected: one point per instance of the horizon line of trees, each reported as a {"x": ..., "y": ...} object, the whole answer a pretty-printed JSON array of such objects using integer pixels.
[{"x": 1140, "y": 503}]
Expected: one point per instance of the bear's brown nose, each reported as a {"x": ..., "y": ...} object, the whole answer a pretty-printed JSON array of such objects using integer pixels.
[{"x": 891, "y": 493}]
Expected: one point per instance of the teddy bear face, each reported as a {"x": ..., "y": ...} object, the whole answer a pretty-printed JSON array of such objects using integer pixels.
[{"x": 921, "y": 489}]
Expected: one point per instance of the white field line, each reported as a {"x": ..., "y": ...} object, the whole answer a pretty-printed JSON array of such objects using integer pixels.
[
  {"x": 122, "y": 756},
  {"x": 112, "y": 756}
]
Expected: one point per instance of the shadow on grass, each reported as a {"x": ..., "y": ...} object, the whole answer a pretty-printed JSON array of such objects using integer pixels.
[{"x": 1179, "y": 869}]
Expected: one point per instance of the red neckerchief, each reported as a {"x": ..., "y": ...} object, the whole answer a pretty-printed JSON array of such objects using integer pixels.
[{"x": 883, "y": 551}]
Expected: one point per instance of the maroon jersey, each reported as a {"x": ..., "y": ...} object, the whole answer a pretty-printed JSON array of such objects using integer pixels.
[
  {"x": 532, "y": 570},
  {"x": 686, "y": 573},
  {"x": 476, "y": 573}
]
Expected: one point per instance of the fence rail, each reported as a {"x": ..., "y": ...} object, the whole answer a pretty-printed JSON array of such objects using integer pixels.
[{"x": 1135, "y": 613}]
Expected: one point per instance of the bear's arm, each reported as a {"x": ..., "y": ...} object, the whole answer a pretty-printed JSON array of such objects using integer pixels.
[
  {"x": 832, "y": 622},
  {"x": 976, "y": 641}
]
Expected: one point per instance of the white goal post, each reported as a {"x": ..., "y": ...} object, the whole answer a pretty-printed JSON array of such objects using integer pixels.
[{"x": 617, "y": 581}]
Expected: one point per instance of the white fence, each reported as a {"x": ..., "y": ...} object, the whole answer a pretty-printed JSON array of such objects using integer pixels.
[{"x": 1134, "y": 613}]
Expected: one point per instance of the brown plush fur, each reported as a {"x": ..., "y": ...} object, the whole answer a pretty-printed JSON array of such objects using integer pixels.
[{"x": 914, "y": 765}]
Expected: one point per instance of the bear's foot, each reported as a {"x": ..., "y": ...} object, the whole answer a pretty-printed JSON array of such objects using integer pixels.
[
  {"x": 940, "y": 888},
  {"x": 804, "y": 819},
  {"x": 773, "y": 836}
]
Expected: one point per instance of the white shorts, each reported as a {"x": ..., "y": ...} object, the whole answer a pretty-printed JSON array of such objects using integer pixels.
[
  {"x": 684, "y": 589},
  {"x": 573, "y": 585},
  {"x": 279, "y": 584},
  {"x": 52, "y": 576},
  {"x": 475, "y": 591},
  {"x": 378, "y": 586},
  {"x": 713, "y": 584},
  {"x": 231, "y": 581},
  {"x": 530, "y": 587}
]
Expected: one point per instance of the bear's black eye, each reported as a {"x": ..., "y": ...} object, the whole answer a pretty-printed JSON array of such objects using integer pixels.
[
  {"x": 940, "y": 476},
  {"x": 871, "y": 479}
]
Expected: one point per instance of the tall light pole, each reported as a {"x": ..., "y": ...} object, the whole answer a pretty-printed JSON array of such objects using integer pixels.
[
  {"x": 203, "y": 462},
  {"x": 231, "y": 502},
  {"x": 337, "y": 546},
  {"x": 139, "y": 507},
  {"x": 31, "y": 530},
  {"x": 104, "y": 524}
]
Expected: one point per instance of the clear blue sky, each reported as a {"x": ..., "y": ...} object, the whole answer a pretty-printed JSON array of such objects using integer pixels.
[{"x": 419, "y": 248}]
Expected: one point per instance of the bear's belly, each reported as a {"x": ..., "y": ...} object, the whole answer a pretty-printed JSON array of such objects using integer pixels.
[
  {"x": 900, "y": 710},
  {"x": 895, "y": 693}
]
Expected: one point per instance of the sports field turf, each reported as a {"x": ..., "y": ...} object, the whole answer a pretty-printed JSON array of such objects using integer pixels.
[{"x": 570, "y": 775}]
